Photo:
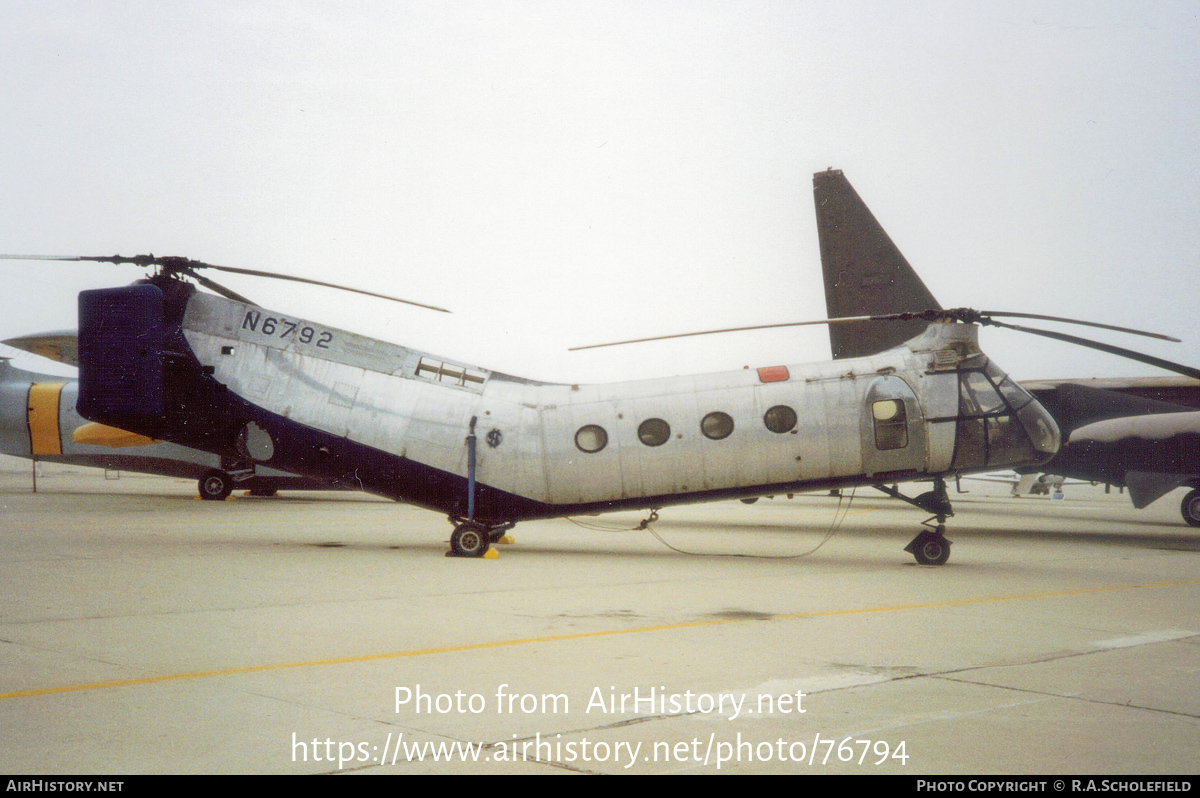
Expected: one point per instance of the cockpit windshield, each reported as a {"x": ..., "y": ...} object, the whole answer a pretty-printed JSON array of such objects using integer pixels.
[{"x": 999, "y": 423}]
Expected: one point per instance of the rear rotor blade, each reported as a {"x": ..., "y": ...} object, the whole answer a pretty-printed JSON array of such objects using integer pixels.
[
  {"x": 40, "y": 257},
  {"x": 136, "y": 260},
  {"x": 213, "y": 285},
  {"x": 172, "y": 263},
  {"x": 842, "y": 320},
  {"x": 254, "y": 273}
]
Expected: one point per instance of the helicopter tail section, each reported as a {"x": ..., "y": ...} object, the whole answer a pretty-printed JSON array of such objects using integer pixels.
[
  {"x": 121, "y": 356},
  {"x": 865, "y": 273}
]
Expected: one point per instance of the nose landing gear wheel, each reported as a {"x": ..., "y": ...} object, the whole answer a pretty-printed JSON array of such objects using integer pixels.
[{"x": 930, "y": 548}]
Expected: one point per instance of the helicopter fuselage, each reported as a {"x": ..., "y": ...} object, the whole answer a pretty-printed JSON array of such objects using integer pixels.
[{"x": 162, "y": 359}]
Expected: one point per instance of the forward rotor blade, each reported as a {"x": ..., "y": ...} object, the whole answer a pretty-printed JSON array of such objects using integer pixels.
[
  {"x": 1178, "y": 368},
  {"x": 1130, "y": 330}
]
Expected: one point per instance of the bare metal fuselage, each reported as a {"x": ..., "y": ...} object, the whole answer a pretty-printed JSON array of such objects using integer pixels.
[{"x": 316, "y": 400}]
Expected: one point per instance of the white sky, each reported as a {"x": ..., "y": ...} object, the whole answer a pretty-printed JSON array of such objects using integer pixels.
[{"x": 571, "y": 173}]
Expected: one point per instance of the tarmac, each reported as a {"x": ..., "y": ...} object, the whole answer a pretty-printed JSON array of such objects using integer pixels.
[{"x": 145, "y": 631}]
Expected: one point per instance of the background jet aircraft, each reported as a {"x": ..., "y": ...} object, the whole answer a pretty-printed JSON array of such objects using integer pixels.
[
  {"x": 38, "y": 421},
  {"x": 1140, "y": 433}
]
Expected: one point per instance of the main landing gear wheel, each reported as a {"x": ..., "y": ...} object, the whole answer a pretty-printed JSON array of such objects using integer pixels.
[
  {"x": 469, "y": 541},
  {"x": 930, "y": 548},
  {"x": 215, "y": 486},
  {"x": 1191, "y": 508}
]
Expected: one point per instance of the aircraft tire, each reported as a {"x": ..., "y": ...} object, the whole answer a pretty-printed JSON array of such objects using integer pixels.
[
  {"x": 215, "y": 486},
  {"x": 931, "y": 549},
  {"x": 1190, "y": 508},
  {"x": 467, "y": 541}
]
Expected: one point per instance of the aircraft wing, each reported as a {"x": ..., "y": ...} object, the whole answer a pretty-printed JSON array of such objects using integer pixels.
[
  {"x": 1183, "y": 391},
  {"x": 62, "y": 345}
]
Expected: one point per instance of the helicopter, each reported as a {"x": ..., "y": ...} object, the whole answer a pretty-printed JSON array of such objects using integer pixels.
[
  {"x": 1136, "y": 433},
  {"x": 218, "y": 373}
]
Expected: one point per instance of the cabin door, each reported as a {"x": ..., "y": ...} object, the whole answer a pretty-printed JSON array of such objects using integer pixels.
[{"x": 893, "y": 430}]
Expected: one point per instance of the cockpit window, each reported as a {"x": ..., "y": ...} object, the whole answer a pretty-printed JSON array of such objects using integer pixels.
[
  {"x": 979, "y": 394},
  {"x": 1015, "y": 394},
  {"x": 989, "y": 429}
]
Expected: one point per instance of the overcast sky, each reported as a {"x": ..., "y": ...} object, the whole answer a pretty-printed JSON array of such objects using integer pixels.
[{"x": 571, "y": 173}]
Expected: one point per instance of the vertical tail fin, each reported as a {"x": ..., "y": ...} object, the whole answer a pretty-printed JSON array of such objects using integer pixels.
[{"x": 865, "y": 274}]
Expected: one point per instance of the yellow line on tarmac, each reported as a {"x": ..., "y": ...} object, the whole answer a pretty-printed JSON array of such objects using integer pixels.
[
  {"x": 985, "y": 600},
  {"x": 421, "y": 652}
]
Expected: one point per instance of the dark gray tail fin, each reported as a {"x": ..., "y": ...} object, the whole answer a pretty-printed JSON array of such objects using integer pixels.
[{"x": 865, "y": 274}]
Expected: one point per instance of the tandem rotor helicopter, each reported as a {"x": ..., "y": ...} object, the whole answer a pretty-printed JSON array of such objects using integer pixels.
[{"x": 263, "y": 389}]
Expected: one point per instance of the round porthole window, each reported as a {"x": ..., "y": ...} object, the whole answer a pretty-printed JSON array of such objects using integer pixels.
[
  {"x": 654, "y": 432},
  {"x": 717, "y": 425},
  {"x": 780, "y": 418},
  {"x": 591, "y": 438}
]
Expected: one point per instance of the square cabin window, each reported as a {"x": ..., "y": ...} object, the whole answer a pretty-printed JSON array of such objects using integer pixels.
[{"x": 891, "y": 424}]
